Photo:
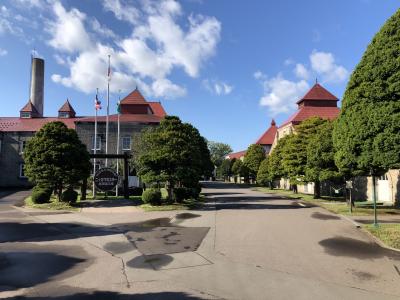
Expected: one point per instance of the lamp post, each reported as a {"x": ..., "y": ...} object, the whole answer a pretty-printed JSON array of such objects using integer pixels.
[{"x": 374, "y": 197}]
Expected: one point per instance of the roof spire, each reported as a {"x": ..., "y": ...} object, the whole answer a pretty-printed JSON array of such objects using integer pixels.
[
  {"x": 273, "y": 122},
  {"x": 316, "y": 80}
]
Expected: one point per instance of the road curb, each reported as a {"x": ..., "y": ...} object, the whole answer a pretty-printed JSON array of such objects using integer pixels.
[
  {"x": 356, "y": 224},
  {"x": 378, "y": 241}
]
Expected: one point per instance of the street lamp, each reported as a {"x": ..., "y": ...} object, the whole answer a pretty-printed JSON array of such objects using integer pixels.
[{"x": 374, "y": 198}]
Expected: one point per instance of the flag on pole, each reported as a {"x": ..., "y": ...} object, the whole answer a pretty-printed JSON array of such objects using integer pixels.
[
  {"x": 97, "y": 103},
  {"x": 119, "y": 107}
]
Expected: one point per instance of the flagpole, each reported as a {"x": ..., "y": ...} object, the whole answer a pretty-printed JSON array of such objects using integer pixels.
[
  {"x": 95, "y": 143},
  {"x": 108, "y": 106},
  {"x": 118, "y": 130}
]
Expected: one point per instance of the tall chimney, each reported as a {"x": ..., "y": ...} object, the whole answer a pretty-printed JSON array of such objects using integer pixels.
[{"x": 37, "y": 84}]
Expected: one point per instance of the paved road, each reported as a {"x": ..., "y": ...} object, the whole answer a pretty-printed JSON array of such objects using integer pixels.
[{"x": 242, "y": 245}]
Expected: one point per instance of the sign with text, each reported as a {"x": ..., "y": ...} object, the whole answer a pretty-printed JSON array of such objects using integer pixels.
[{"x": 106, "y": 179}]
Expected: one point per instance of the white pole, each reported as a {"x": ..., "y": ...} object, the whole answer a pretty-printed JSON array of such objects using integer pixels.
[
  {"x": 95, "y": 145},
  {"x": 108, "y": 106},
  {"x": 116, "y": 193}
]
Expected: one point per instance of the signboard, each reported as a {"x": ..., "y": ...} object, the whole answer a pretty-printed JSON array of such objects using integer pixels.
[
  {"x": 106, "y": 179},
  {"x": 349, "y": 184}
]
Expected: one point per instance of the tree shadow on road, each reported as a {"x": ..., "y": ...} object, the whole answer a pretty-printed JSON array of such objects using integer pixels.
[{"x": 106, "y": 295}]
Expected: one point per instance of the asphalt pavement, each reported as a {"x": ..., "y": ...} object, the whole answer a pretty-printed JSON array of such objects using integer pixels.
[{"x": 242, "y": 245}]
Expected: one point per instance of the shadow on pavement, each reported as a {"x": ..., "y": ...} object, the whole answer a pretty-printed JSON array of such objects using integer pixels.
[
  {"x": 344, "y": 246},
  {"x": 108, "y": 203},
  {"x": 33, "y": 265},
  {"x": 105, "y": 295}
]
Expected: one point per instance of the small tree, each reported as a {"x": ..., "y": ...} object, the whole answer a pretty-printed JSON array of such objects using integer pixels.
[
  {"x": 55, "y": 157},
  {"x": 320, "y": 158},
  {"x": 174, "y": 153},
  {"x": 224, "y": 169},
  {"x": 255, "y": 154},
  {"x": 294, "y": 154},
  {"x": 218, "y": 152},
  {"x": 239, "y": 169},
  {"x": 275, "y": 166},
  {"x": 264, "y": 176}
]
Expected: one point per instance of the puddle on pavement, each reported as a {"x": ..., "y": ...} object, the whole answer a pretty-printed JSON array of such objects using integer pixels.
[
  {"x": 344, "y": 246},
  {"x": 185, "y": 216},
  {"x": 363, "y": 275},
  {"x": 159, "y": 222},
  {"x": 321, "y": 216},
  {"x": 118, "y": 247},
  {"x": 150, "y": 262}
]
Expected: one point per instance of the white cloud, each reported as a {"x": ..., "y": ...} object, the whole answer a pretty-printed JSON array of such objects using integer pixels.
[
  {"x": 30, "y": 3},
  {"x": 323, "y": 63},
  {"x": 301, "y": 71},
  {"x": 164, "y": 87},
  {"x": 157, "y": 46},
  {"x": 259, "y": 75},
  {"x": 122, "y": 11},
  {"x": 3, "y": 52},
  {"x": 288, "y": 62},
  {"x": 217, "y": 87},
  {"x": 280, "y": 94},
  {"x": 102, "y": 30},
  {"x": 68, "y": 30}
]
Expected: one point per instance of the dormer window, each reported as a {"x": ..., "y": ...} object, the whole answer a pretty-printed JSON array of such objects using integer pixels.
[
  {"x": 63, "y": 114},
  {"x": 25, "y": 114}
]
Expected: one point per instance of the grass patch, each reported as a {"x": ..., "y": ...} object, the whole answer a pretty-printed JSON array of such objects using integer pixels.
[
  {"x": 53, "y": 205},
  {"x": 387, "y": 233},
  {"x": 186, "y": 205},
  {"x": 333, "y": 205}
]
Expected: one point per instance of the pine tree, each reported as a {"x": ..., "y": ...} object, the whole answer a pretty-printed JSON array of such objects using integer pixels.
[{"x": 366, "y": 135}]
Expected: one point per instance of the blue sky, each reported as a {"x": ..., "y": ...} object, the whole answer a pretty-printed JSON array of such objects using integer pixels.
[{"x": 227, "y": 67}]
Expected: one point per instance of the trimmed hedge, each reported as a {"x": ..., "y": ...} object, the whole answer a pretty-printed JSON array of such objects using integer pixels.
[
  {"x": 69, "y": 195},
  {"x": 41, "y": 194},
  {"x": 152, "y": 196},
  {"x": 182, "y": 193}
]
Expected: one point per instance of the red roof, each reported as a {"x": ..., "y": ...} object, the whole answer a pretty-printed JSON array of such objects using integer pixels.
[
  {"x": 31, "y": 124},
  {"x": 268, "y": 137},
  {"x": 125, "y": 118},
  {"x": 317, "y": 92},
  {"x": 134, "y": 97},
  {"x": 236, "y": 155},
  {"x": 157, "y": 109},
  {"x": 67, "y": 107},
  {"x": 306, "y": 112},
  {"x": 29, "y": 107}
]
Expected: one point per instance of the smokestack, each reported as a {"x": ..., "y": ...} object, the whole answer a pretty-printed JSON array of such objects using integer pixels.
[{"x": 37, "y": 84}]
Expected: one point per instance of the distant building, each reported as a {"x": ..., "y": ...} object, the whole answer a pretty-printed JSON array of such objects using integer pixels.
[{"x": 136, "y": 114}]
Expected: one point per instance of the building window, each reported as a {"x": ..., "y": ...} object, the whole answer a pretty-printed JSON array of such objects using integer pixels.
[
  {"x": 25, "y": 114},
  {"x": 126, "y": 143},
  {"x": 22, "y": 170},
  {"x": 21, "y": 147},
  {"x": 98, "y": 143},
  {"x": 63, "y": 114}
]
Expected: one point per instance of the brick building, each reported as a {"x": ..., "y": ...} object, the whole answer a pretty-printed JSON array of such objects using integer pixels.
[{"x": 136, "y": 114}]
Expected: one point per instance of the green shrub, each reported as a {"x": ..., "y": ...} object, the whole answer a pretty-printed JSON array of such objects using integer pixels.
[
  {"x": 69, "y": 195},
  {"x": 152, "y": 196},
  {"x": 41, "y": 194},
  {"x": 180, "y": 194}
]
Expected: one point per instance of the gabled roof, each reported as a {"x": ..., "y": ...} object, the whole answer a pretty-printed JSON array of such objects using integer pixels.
[
  {"x": 31, "y": 124},
  {"x": 157, "y": 109},
  {"x": 306, "y": 112},
  {"x": 134, "y": 97},
  {"x": 317, "y": 92},
  {"x": 67, "y": 107},
  {"x": 268, "y": 136},
  {"x": 236, "y": 155},
  {"x": 29, "y": 107}
]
